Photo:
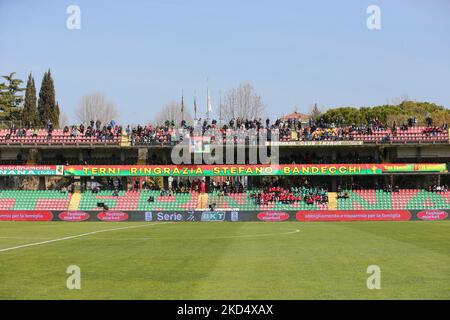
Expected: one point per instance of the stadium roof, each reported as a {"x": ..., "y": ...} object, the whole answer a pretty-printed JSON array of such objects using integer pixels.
[{"x": 296, "y": 115}]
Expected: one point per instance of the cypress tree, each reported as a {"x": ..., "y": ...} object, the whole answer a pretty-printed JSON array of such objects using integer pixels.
[
  {"x": 56, "y": 115},
  {"x": 47, "y": 101},
  {"x": 29, "y": 113}
]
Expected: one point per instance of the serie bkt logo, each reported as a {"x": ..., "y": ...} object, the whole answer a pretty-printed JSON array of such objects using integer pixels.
[
  {"x": 161, "y": 216},
  {"x": 169, "y": 216},
  {"x": 213, "y": 216}
]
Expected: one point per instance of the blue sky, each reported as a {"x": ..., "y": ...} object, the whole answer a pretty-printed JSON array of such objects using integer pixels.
[{"x": 141, "y": 54}]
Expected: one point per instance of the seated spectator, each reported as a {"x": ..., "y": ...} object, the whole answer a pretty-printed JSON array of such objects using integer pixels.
[{"x": 74, "y": 132}]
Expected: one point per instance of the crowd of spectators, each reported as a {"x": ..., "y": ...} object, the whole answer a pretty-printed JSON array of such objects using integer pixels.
[
  {"x": 94, "y": 129},
  {"x": 389, "y": 188},
  {"x": 434, "y": 131},
  {"x": 286, "y": 129},
  {"x": 152, "y": 135},
  {"x": 310, "y": 195},
  {"x": 224, "y": 188},
  {"x": 438, "y": 188},
  {"x": 23, "y": 132}
]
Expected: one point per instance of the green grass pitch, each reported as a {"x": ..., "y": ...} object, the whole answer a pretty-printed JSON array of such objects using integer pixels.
[{"x": 226, "y": 260}]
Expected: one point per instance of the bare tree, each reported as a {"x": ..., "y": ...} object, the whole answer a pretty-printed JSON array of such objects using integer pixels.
[
  {"x": 172, "y": 112},
  {"x": 96, "y": 107},
  {"x": 63, "y": 120},
  {"x": 242, "y": 102}
]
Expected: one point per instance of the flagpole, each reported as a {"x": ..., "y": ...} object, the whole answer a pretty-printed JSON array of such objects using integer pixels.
[
  {"x": 208, "y": 100},
  {"x": 207, "y": 103},
  {"x": 182, "y": 105},
  {"x": 220, "y": 108},
  {"x": 195, "y": 105}
]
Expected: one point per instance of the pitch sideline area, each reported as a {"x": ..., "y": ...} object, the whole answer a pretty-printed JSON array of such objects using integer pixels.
[
  {"x": 222, "y": 260},
  {"x": 70, "y": 237}
]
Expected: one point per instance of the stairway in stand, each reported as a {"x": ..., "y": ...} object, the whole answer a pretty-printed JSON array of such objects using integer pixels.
[
  {"x": 124, "y": 140},
  {"x": 75, "y": 200},
  {"x": 332, "y": 201},
  {"x": 203, "y": 201}
]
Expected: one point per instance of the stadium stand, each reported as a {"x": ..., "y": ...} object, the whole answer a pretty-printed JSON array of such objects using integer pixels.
[
  {"x": 138, "y": 200},
  {"x": 34, "y": 200},
  {"x": 57, "y": 137},
  {"x": 167, "y": 135},
  {"x": 178, "y": 201},
  {"x": 403, "y": 199},
  {"x": 412, "y": 135},
  {"x": 113, "y": 145},
  {"x": 124, "y": 200},
  {"x": 246, "y": 201},
  {"x": 413, "y": 199}
]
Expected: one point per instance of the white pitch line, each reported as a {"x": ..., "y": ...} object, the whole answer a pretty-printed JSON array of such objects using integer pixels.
[
  {"x": 77, "y": 236},
  {"x": 214, "y": 238},
  {"x": 159, "y": 238},
  {"x": 260, "y": 235}
]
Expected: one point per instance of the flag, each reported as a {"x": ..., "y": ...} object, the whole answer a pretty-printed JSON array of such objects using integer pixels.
[
  {"x": 182, "y": 103},
  {"x": 220, "y": 107},
  {"x": 209, "y": 103},
  {"x": 182, "y": 106},
  {"x": 195, "y": 107}
]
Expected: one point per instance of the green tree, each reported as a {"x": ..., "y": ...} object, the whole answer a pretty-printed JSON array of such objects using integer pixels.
[
  {"x": 47, "y": 108},
  {"x": 11, "y": 98},
  {"x": 29, "y": 112},
  {"x": 388, "y": 114}
]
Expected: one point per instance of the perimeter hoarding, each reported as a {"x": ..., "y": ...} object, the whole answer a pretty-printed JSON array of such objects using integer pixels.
[
  {"x": 24, "y": 215},
  {"x": 222, "y": 170},
  {"x": 354, "y": 215},
  {"x": 253, "y": 170},
  {"x": 26, "y": 170},
  {"x": 227, "y": 215}
]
